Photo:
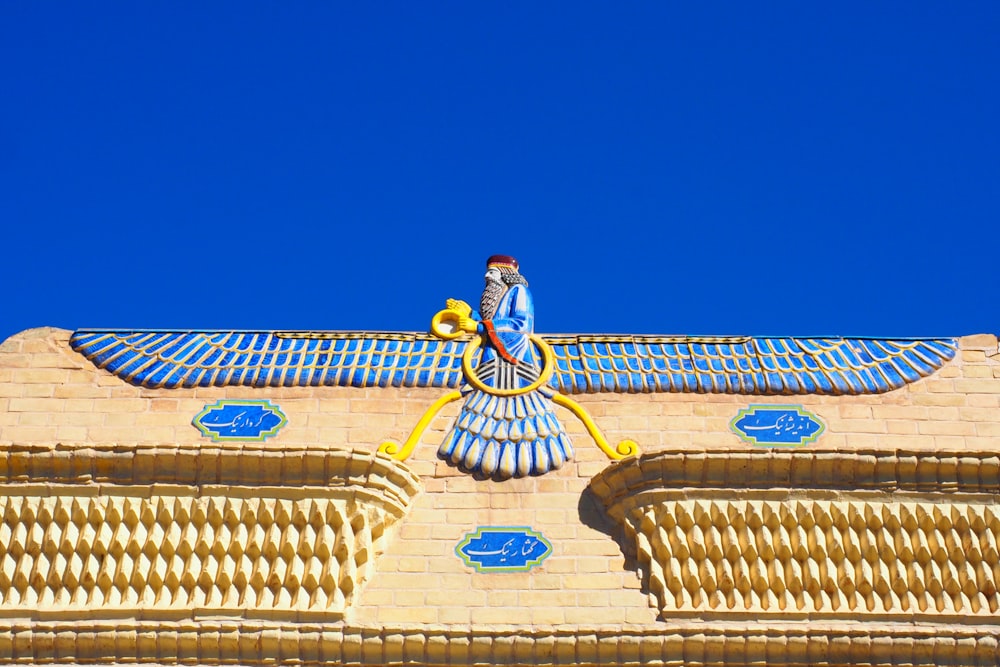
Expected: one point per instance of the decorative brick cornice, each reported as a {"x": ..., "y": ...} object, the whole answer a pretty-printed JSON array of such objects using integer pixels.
[
  {"x": 162, "y": 532},
  {"x": 243, "y": 464},
  {"x": 815, "y": 469},
  {"x": 812, "y": 535},
  {"x": 257, "y": 643}
]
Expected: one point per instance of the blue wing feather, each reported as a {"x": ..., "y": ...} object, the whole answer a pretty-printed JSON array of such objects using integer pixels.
[
  {"x": 167, "y": 359},
  {"x": 833, "y": 366},
  {"x": 583, "y": 364}
]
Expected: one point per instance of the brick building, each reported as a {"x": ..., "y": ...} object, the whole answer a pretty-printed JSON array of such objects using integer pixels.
[{"x": 151, "y": 517}]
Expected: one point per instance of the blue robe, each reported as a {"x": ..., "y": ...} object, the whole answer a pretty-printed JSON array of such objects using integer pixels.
[{"x": 507, "y": 436}]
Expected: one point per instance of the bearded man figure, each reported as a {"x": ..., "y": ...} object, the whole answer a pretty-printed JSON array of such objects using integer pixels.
[{"x": 509, "y": 433}]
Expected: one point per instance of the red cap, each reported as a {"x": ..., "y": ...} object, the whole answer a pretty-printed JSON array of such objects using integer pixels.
[{"x": 502, "y": 260}]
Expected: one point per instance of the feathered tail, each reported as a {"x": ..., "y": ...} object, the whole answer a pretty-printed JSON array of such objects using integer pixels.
[{"x": 507, "y": 436}]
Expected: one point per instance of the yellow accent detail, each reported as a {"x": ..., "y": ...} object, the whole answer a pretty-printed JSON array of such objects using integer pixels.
[
  {"x": 402, "y": 453},
  {"x": 453, "y": 315},
  {"x": 624, "y": 449},
  {"x": 459, "y": 306},
  {"x": 548, "y": 366},
  {"x": 446, "y": 316}
]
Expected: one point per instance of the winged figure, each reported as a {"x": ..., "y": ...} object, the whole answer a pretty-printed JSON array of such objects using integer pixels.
[{"x": 508, "y": 376}]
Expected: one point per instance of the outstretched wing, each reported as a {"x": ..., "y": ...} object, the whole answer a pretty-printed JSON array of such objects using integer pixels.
[
  {"x": 168, "y": 359},
  {"x": 743, "y": 365}
]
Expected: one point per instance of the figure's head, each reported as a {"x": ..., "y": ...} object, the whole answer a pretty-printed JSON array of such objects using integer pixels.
[
  {"x": 504, "y": 268},
  {"x": 501, "y": 273}
]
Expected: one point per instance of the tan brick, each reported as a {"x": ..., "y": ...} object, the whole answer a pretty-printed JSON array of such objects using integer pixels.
[
  {"x": 982, "y": 400},
  {"x": 640, "y": 616},
  {"x": 501, "y": 598},
  {"x": 427, "y": 548},
  {"x": 371, "y": 597},
  {"x": 503, "y": 501},
  {"x": 586, "y": 615},
  {"x": 470, "y": 598},
  {"x": 44, "y": 434},
  {"x": 936, "y": 385},
  {"x": 80, "y": 391},
  {"x": 589, "y": 469},
  {"x": 938, "y": 413},
  {"x": 900, "y": 427},
  {"x": 717, "y": 439},
  {"x": 939, "y": 399},
  {"x": 410, "y": 531},
  {"x": 635, "y": 407},
  {"x": 71, "y": 433},
  {"x": 10, "y": 390},
  {"x": 543, "y": 581},
  {"x": 853, "y": 440},
  {"x": 978, "y": 371},
  {"x": 599, "y": 547},
  {"x": 627, "y": 598},
  {"x": 949, "y": 441},
  {"x": 977, "y": 386},
  {"x": 14, "y": 361},
  {"x": 328, "y": 420},
  {"x": 547, "y": 616},
  {"x": 548, "y": 598},
  {"x": 980, "y": 341},
  {"x": 332, "y": 405},
  {"x": 454, "y": 615},
  {"x": 565, "y": 531},
  {"x": 35, "y": 418},
  {"x": 544, "y": 517},
  {"x": 590, "y": 582},
  {"x": 566, "y": 501},
  {"x": 492, "y": 615},
  {"x": 369, "y": 406},
  {"x": 410, "y": 598},
  {"x": 122, "y": 405},
  {"x": 120, "y": 419},
  {"x": 946, "y": 428},
  {"x": 82, "y": 419},
  {"x": 37, "y": 390},
  {"x": 989, "y": 429},
  {"x": 382, "y": 421},
  {"x": 39, "y": 376},
  {"x": 857, "y": 425},
  {"x": 594, "y": 564},
  {"x": 899, "y": 412},
  {"x": 412, "y": 565},
  {"x": 855, "y": 411},
  {"x": 407, "y": 615},
  {"x": 162, "y": 419},
  {"x": 34, "y": 405}
]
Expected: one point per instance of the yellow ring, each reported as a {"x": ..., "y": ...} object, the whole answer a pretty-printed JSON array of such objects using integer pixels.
[
  {"x": 548, "y": 366},
  {"x": 439, "y": 317}
]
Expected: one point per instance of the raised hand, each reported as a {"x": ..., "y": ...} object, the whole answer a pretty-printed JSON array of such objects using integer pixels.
[{"x": 459, "y": 306}]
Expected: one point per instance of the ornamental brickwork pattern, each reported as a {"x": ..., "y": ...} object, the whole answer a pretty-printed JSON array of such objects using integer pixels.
[
  {"x": 848, "y": 558},
  {"x": 116, "y": 552}
]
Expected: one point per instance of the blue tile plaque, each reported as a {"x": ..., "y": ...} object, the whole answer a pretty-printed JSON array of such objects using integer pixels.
[
  {"x": 240, "y": 420},
  {"x": 777, "y": 425},
  {"x": 503, "y": 549}
]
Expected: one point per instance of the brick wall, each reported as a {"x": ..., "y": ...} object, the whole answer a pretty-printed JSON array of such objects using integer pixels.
[{"x": 49, "y": 395}]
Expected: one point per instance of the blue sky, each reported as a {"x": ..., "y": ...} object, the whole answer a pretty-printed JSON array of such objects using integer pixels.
[{"x": 685, "y": 168}]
